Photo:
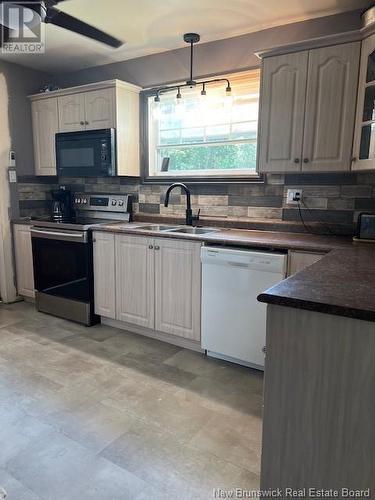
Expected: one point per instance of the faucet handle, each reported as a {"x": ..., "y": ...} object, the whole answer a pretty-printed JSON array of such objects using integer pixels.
[{"x": 196, "y": 217}]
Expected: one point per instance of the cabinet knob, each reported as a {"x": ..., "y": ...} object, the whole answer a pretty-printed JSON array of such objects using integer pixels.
[
  {"x": 264, "y": 349},
  {"x": 296, "y": 160},
  {"x": 354, "y": 159},
  {"x": 157, "y": 247},
  {"x": 81, "y": 123},
  {"x": 86, "y": 122},
  {"x": 305, "y": 160},
  {"x": 150, "y": 247}
]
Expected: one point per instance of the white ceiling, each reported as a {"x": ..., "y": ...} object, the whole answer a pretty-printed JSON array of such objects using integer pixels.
[{"x": 151, "y": 26}]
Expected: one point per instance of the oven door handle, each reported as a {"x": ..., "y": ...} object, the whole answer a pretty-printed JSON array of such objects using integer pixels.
[{"x": 80, "y": 237}]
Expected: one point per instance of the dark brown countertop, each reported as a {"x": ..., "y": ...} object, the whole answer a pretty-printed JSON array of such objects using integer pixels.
[
  {"x": 244, "y": 237},
  {"x": 341, "y": 283}
]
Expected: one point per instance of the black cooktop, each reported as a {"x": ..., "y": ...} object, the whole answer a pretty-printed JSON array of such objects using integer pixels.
[{"x": 74, "y": 222}]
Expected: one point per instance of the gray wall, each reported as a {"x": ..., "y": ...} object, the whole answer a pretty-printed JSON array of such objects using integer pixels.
[
  {"x": 21, "y": 82},
  {"x": 222, "y": 56}
]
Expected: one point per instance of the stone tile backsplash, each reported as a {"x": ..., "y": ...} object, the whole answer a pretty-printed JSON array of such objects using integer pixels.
[{"x": 333, "y": 199}]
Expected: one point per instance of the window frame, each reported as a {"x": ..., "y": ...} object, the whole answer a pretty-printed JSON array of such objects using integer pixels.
[{"x": 146, "y": 178}]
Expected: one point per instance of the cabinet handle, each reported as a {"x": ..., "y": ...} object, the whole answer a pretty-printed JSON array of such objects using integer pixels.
[
  {"x": 305, "y": 160},
  {"x": 296, "y": 160},
  {"x": 354, "y": 159},
  {"x": 157, "y": 247},
  {"x": 81, "y": 123},
  {"x": 86, "y": 122},
  {"x": 264, "y": 349},
  {"x": 150, "y": 247}
]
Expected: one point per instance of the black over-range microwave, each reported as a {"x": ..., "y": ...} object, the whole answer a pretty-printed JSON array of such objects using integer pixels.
[{"x": 90, "y": 153}]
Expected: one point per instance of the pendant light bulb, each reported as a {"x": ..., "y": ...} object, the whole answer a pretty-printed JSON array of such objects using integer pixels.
[{"x": 228, "y": 90}]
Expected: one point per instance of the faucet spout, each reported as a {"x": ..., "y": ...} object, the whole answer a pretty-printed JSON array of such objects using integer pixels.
[{"x": 189, "y": 213}]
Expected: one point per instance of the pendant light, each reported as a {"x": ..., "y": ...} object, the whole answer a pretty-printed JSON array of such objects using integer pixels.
[{"x": 191, "y": 38}]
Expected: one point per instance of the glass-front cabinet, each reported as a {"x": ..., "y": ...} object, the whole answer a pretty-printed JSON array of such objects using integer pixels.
[{"x": 364, "y": 138}]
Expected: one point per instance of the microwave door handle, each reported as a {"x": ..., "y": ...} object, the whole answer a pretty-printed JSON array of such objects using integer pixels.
[{"x": 56, "y": 235}]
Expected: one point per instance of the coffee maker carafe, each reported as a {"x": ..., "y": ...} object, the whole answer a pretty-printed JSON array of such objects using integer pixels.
[{"x": 61, "y": 204}]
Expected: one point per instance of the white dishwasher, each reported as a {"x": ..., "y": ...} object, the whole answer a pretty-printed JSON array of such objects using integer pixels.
[{"x": 233, "y": 321}]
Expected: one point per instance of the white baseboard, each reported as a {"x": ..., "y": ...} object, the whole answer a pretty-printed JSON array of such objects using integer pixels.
[{"x": 164, "y": 337}]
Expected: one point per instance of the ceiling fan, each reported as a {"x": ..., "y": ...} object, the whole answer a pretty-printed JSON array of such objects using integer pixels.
[{"x": 49, "y": 14}]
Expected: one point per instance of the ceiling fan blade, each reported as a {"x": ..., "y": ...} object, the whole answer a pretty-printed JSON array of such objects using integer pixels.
[{"x": 59, "y": 18}]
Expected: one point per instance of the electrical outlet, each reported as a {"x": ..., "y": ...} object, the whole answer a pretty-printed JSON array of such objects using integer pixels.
[{"x": 293, "y": 196}]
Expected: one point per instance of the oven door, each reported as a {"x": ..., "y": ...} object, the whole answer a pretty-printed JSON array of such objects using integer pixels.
[
  {"x": 88, "y": 153},
  {"x": 63, "y": 273}
]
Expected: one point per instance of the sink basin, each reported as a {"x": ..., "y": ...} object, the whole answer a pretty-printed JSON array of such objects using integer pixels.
[
  {"x": 193, "y": 230},
  {"x": 156, "y": 227}
]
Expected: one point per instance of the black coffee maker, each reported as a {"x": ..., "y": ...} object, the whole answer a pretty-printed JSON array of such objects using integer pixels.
[{"x": 61, "y": 204}]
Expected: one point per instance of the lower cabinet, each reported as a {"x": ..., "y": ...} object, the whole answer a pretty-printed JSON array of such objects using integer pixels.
[
  {"x": 298, "y": 260},
  {"x": 151, "y": 283},
  {"x": 104, "y": 274},
  {"x": 135, "y": 280},
  {"x": 24, "y": 260},
  {"x": 178, "y": 287}
]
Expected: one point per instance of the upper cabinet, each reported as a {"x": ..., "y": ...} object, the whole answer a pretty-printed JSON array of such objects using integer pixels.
[
  {"x": 87, "y": 110},
  {"x": 282, "y": 112},
  {"x": 112, "y": 104},
  {"x": 308, "y": 109},
  {"x": 71, "y": 112},
  {"x": 45, "y": 119},
  {"x": 364, "y": 137}
]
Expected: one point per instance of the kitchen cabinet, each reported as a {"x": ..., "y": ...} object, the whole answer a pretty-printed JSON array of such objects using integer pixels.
[
  {"x": 110, "y": 104},
  {"x": 24, "y": 260},
  {"x": 282, "y": 112},
  {"x": 87, "y": 110},
  {"x": 71, "y": 112},
  {"x": 104, "y": 274},
  {"x": 364, "y": 136},
  {"x": 135, "y": 280},
  {"x": 153, "y": 283},
  {"x": 308, "y": 110},
  {"x": 298, "y": 260},
  {"x": 100, "y": 109},
  {"x": 45, "y": 122},
  {"x": 178, "y": 287}
]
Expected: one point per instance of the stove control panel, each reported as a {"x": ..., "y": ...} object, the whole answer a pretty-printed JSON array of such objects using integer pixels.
[{"x": 102, "y": 202}]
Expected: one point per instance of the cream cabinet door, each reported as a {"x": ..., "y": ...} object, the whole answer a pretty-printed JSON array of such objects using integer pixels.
[
  {"x": 282, "y": 108},
  {"x": 330, "y": 107},
  {"x": 178, "y": 287},
  {"x": 45, "y": 121},
  {"x": 298, "y": 260},
  {"x": 104, "y": 274},
  {"x": 100, "y": 109},
  {"x": 135, "y": 280},
  {"x": 71, "y": 112},
  {"x": 24, "y": 260}
]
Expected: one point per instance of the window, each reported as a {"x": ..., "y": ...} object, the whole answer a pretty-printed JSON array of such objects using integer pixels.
[{"x": 205, "y": 136}]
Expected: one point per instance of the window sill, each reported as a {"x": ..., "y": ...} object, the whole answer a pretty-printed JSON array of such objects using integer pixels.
[{"x": 244, "y": 179}]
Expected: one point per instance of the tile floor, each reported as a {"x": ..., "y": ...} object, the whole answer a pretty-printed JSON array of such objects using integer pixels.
[{"x": 99, "y": 413}]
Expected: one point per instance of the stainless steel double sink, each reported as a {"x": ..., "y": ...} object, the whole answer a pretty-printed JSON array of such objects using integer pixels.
[{"x": 160, "y": 228}]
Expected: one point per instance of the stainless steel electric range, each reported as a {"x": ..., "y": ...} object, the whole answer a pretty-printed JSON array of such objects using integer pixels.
[{"x": 63, "y": 255}]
